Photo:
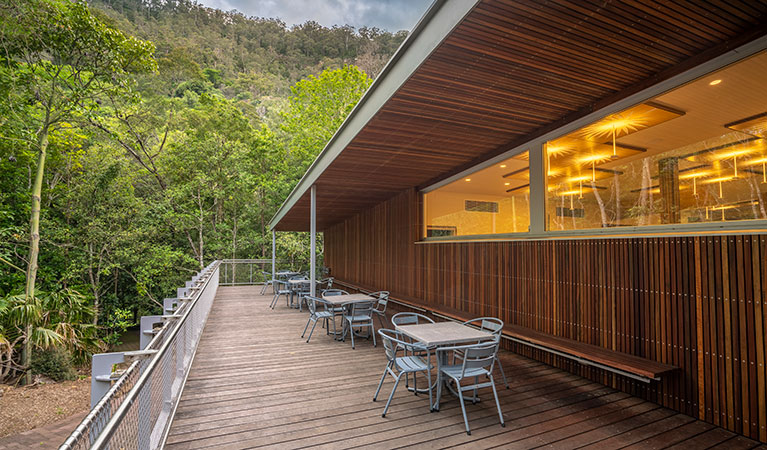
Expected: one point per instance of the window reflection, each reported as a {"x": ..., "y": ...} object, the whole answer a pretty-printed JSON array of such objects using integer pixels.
[
  {"x": 694, "y": 154},
  {"x": 494, "y": 200}
]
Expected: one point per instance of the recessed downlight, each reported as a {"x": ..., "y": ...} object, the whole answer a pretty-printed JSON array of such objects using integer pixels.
[
  {"x": 468, "y": 179},
  {"x": 503, "y": 166},
  {"x": 714, "y": 83}
]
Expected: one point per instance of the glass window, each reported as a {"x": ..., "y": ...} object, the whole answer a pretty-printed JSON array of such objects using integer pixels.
[
  {"x": 694, "y": 154},
  {"x": 493, "y": 200}
]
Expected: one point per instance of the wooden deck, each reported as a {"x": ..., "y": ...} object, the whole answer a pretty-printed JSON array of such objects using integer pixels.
[{"x": 255, "y": 383}]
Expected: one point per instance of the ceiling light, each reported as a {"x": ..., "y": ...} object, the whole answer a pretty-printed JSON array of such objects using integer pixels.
[
  {"x": 468, "y": 179},
  {"x": 714, "y": 83},
  {"x": 503, "y": 166},
  {"x": 506, "y": 184}
]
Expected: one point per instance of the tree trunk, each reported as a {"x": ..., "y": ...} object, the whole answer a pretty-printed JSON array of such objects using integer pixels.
[{"x": 34, "y": 246}]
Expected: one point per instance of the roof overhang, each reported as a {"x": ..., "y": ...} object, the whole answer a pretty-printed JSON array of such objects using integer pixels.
[{"x": 476, "y": 79}]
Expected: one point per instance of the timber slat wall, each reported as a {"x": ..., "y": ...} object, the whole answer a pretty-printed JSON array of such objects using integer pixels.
[{"x": 694, "y": 302}]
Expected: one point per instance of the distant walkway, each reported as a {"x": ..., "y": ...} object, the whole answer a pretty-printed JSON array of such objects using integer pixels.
[
  {"x": 255, "y": 382},
  {"x": 49, "y": 436}
]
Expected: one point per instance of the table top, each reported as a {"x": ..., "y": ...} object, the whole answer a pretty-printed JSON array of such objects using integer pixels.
[
  {"x": 444, "y": 333},
  {"x": 348, "y": 298},
  {"x": 299, "y": 281}
]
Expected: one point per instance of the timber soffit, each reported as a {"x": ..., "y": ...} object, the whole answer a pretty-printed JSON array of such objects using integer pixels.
[
  {"x": 436, "y": 24},
  {"x": 506, "y": 72}
]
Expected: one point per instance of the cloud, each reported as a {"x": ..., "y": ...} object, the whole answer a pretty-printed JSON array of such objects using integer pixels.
[{"x": 392, "y": 15}]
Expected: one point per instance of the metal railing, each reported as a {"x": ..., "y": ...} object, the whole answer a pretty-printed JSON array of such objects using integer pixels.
[
  {"x": 240, "y": 272},
  {"x": 136, "y": 410}
]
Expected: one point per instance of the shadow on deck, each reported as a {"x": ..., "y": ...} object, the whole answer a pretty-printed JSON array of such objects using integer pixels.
[{"x": 254, "y": 382}]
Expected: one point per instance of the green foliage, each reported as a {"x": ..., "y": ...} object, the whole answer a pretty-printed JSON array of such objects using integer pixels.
[
  {"x": 55, "y": 363},
  {"x": 154, "y": 169},
  {"x": 119, "y": 321}
]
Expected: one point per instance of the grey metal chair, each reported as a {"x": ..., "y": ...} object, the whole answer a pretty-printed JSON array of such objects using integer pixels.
[
  {"x": 315, "y": 315},
  {"x": 358, "y": 315},
  {"x": 404, "y": 364},
  {"x": 410, "y": 318},
  {"x": 267, "y": 282},
  {"x": 380, "y": 308},
  {"x": 494, "y": 326},
  {"x": 478, "y": 361},
  {"x": 283, "y": 289}
]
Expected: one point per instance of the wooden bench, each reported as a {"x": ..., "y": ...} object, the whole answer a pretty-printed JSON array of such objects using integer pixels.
[{"x": 635, "y": 367}]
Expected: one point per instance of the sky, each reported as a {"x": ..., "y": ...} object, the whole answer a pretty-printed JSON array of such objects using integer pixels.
[{"x": 391, "y": 15}]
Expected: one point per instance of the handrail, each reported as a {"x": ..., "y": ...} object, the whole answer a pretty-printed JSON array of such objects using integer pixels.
[{"x": 99, "y": 426}]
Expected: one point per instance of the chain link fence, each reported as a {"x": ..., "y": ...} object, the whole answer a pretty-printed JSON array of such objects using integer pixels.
[{"x": 137, "y": 410}]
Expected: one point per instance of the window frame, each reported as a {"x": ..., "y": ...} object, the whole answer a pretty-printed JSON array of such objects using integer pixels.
[{"x": 538, "y": 171}]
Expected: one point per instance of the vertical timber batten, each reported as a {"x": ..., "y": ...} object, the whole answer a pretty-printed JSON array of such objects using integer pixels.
[{"x": 689, "y": 301}]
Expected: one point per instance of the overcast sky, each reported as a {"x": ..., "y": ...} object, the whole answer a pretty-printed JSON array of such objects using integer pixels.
[{"x": 391, "y": 15}]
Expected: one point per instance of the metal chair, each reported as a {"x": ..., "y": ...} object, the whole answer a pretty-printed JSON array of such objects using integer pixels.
[
  {"x": 315, "y": 316},
  {"x": 404, "y": 364},
  {"x": 478, "y": 361},
  {"x": 283, "y": 289},
  {"x": 410, "y": 318},
  {"x": 267, "y": 282},
  {"x": 360, "y": 315},
  {"x": 380, "y": 308},
  {"x": 494, "y": 326}
]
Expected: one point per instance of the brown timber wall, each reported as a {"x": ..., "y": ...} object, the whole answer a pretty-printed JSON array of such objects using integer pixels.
[{"x": 694, "y": 302}]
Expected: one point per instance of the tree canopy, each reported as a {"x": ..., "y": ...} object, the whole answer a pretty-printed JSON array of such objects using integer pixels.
[{"x": 139, "y": 140}]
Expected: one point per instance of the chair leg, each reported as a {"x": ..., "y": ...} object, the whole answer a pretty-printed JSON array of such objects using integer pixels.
[
  {"x": 380, "y": 383},
  {"x": 503, "y": 375},
  {"x": 428, "y": 380},
  {"x": 274, "y": 300},
  {"x": 307, "y": 326},
  {"x": 463, "y": 407},
  {"x": 393, "y": 390},
  {"x": 351, "y": 332},
  {"x": 373, "y": 331},
  {"x": 497, "y": 403},
  {"x": 311, "y": 332}
]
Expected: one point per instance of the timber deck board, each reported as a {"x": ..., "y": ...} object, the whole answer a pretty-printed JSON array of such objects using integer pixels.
[{"x": 255, "y": 383}]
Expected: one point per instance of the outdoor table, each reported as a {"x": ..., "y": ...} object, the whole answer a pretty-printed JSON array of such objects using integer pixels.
[
  {"x": 338, "y": 300},
  {"x": 293, "y": 285},
  {"x": 335, "y": 301},
  {"x": 442, "y": 334}
]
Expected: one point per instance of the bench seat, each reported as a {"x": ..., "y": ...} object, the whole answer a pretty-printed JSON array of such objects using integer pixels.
[{"x": 623, "y": 363}]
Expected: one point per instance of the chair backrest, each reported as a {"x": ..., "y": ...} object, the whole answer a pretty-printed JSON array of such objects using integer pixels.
[
  {"x": 390, "y": 340},
  {"x": 395, "y": 340},
  {"x": 325, "y": 284},
  {"x": 361, "y": 308},
  {"x": 490, "y": 324},
  {"x": 330, "y": 292},
  {"x": 383, "y": 300},
  {"x": 409, "y": 318},
  {"x": 480, "y": 355},
  {"x": 310, "y": 303},
  {"x": 299, "y": 277}
]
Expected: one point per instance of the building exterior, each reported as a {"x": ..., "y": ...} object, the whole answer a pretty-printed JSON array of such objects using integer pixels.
[{"x": 592, "y": 171}]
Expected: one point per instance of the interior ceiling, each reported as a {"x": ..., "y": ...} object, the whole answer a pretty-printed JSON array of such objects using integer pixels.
[{"x": 511, "y": 71}]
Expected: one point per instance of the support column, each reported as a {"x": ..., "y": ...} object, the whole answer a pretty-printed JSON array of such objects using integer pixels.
[
  {"x": 274, "y": 258},
  {"x": 313, "y": 231}
]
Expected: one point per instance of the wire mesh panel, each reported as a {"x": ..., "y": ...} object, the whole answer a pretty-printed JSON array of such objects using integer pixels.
[
  {"x": 244, "y": 271},
  {"x": 136, "y": 412}
]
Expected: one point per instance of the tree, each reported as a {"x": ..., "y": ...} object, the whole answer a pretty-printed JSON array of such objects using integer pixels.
[{"x": 61, "y": 61}]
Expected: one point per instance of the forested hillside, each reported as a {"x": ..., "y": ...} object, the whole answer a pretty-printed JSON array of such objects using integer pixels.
[{"x": 140, "y": 140}]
